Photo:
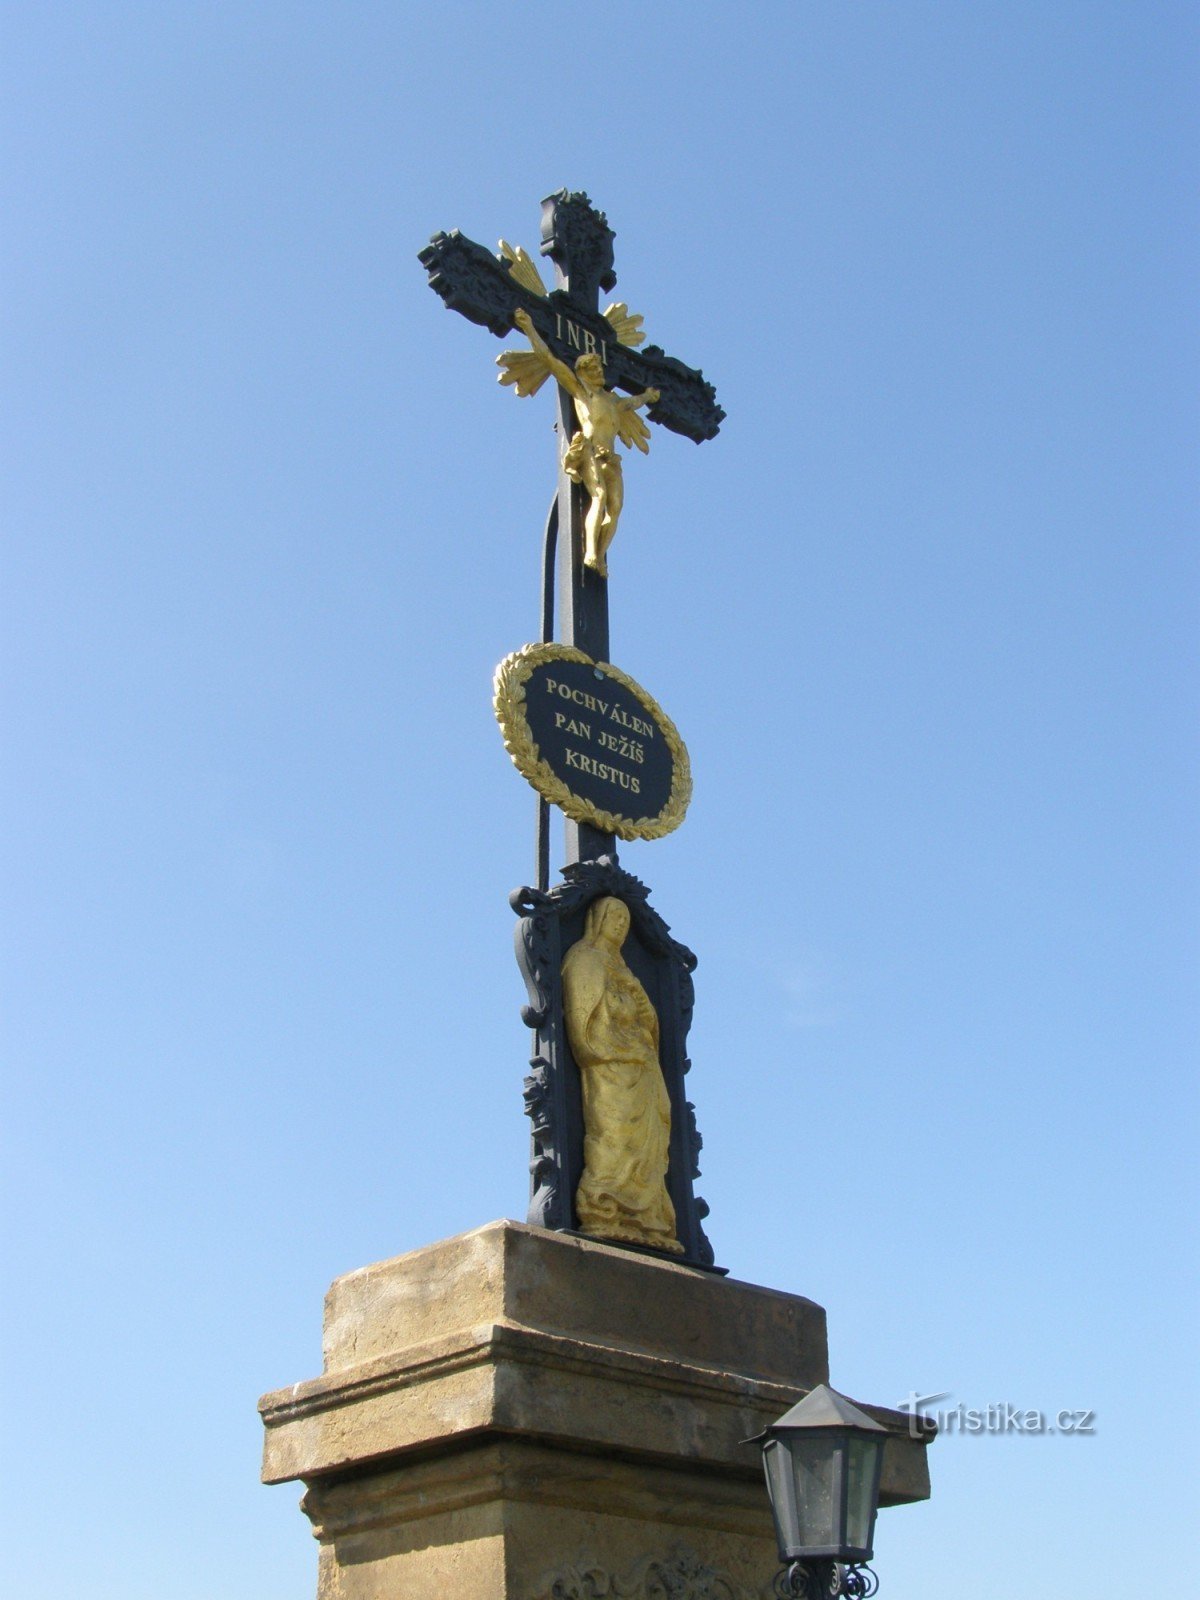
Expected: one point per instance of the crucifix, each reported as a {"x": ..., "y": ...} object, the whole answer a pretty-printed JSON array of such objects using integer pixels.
[
  {"x": 614, "y": 1140},
  {"x": 591, "y": 355}
]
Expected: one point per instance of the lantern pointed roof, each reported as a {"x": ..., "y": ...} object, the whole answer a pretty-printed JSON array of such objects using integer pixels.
[{"x": 824, "y": 1407}]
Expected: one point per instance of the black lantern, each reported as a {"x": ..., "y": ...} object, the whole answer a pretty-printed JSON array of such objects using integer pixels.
[{"x": 822, "y": 1461}]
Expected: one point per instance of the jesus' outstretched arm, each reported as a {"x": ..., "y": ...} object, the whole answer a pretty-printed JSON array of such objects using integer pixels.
[
  {"x": 559, "y": 368},
  {"x": 635, "y": 402}
]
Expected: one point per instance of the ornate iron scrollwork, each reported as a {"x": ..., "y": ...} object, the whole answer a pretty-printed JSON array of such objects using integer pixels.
[
  {"x": 824, "y": 1580},
  {"x": 549, "y": 923}
]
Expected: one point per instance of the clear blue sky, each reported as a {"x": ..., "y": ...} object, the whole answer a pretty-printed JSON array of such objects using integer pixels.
[{"x": 925, "y": 613}]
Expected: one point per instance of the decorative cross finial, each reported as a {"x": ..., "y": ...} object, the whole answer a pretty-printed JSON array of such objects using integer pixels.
[{"x": 579, "y": 241}]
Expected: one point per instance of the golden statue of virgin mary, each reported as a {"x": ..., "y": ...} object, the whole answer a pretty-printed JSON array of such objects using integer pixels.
[{"x": 613, "y": 1032}]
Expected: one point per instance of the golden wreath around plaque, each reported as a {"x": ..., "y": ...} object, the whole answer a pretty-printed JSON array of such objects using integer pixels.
[{"x": 592, "y": 741}]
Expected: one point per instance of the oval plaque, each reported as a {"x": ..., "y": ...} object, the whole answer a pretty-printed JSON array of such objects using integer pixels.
[{"x": 592, "y": 741}]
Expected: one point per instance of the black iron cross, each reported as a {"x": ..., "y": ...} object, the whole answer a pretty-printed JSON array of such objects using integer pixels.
[{"x": 471, "y": 280}]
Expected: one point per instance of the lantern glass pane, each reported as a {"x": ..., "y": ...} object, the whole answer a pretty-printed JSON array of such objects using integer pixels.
[
  {"x": 782, "y": 1494},
  {"x": 812, "y": 1472},
  {"x": 861, "y": 1461}
]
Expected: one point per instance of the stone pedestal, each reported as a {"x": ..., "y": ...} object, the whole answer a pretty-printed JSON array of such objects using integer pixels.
[{"x": 515, "y": 1414}]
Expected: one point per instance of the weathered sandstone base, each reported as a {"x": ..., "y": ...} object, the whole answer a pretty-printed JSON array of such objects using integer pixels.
[{"x": 515, "y": 1414}]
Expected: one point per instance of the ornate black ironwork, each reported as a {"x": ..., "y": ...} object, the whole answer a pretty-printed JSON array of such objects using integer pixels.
[
  {"x": 824, "y": 1580},
  {"x": 579, "y": 241},
  {"x": 550, "y": 922},
  {"x": 477, "y": 284}
]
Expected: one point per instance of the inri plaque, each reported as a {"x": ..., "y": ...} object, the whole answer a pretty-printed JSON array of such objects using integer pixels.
[{"x": 592, "y": 741}]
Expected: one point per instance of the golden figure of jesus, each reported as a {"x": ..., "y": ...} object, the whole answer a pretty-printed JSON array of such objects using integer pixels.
[{"x": 604, "y": 417}]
